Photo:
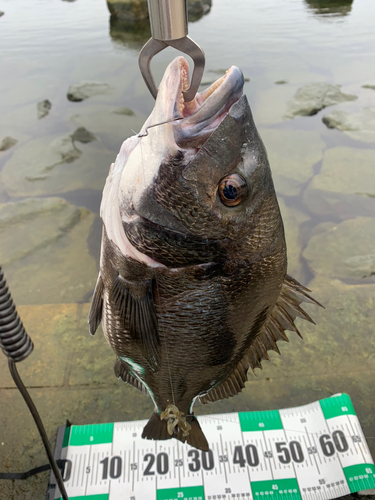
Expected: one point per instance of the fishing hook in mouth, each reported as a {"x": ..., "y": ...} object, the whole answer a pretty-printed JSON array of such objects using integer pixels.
[{"x": 145, "y": 134}]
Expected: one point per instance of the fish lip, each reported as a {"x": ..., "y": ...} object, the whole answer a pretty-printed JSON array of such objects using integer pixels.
[{"x": 198, "y": 118}]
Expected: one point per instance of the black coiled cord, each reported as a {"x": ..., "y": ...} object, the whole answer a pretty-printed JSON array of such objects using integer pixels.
[
  {"x": 14, "y": 341},
  {"x": 17, "y": 345}
]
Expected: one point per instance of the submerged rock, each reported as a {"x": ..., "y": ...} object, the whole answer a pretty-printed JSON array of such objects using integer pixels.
[
  {"x": 83, "y": 90},
  {"x": 359, "y": 126},
  {"x": 341, "y": 343},
  {"x": 124, "y": 111},
  {"x": 131, "y": 34},
  {"x": 310, "y": 99},
  {"x": 330, "y": 8},
  {"x": 40, "y": 221},
  {"x": 43, "y": 108},
  {"x": 128, "y": 10},
  {"x": 368, "y": 86},
  {"x": 345, "y": 251},
  {"x": 1, "y": 13},
  {"x": 81, "y": 134},
  {"x": 292, "y": 219},
  {"x": 112, "y": 128},
  {"x": 198, "y": 8},
  {"x": 269, "y": 104},
  {"x": 345, "y": 185},
  {"x": 7, "y": 143},
  {"x": 49, "y": 166},
  {"x": 44, "y": 250},
  {"x": 132, "y": 11},
  {"x": 292, "y": 155}
]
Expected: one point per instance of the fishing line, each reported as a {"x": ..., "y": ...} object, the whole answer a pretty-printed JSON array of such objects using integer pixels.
[
  {"x": 166, "y": 348},
  {"x": 145, "y": 134},
  {"x": 143, "y": 166},
  {"x": 156, "y": 277}
]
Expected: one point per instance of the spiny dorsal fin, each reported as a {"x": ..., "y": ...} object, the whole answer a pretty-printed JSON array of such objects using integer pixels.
[
  {"x": 282, "y": 316},
  {"x": 96, "y": 308},
  {"x": 134, "y": 304},
  {"x": 122, "y": 371}
]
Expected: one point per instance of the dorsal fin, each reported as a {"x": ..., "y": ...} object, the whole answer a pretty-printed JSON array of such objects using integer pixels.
[
  {"x": 281, "y": 318},
  {"x": 96, "y": 308},
  {"x": 122, "y": 371}
]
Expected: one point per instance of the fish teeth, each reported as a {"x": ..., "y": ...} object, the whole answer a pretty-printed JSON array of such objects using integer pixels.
[
  {"x": 184, "y": 76},
  {"x": 210, "y": 90},
  {"x": 191, "y": 106},
  {"x": 182, "y": 103}
]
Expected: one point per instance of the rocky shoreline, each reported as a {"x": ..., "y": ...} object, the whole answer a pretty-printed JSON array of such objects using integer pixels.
[{"x": 132, "y": 11}]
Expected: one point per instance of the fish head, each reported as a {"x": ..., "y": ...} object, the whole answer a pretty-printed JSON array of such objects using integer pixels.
[{"x": 198, "y": 180}]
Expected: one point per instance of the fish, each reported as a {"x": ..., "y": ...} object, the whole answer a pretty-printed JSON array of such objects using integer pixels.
[{"x": 193, "y": 289}]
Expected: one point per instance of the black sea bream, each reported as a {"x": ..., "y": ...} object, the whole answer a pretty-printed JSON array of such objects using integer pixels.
[{"x": 192, "y": 289}]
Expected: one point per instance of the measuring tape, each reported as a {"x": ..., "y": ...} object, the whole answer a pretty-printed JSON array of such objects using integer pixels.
[{"x": 313, "y": 452}]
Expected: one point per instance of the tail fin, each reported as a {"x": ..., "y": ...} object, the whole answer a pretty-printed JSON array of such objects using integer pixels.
[
  {"x": 157, "y": 429},
  {"x": 196, "y": 437}
]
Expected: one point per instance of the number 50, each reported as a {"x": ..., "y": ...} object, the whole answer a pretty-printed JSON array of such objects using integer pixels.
[{"x": 294, "y": 449}]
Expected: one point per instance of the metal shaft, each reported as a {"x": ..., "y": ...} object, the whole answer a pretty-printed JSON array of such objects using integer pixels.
[{"x": 168, "y": 19}]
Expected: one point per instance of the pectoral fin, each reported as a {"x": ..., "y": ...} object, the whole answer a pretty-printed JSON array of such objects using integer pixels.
[
  {"x": 281, "y": 318},
  {"x": 96, "y": 308},
  {"x": 134, "y": 304}
]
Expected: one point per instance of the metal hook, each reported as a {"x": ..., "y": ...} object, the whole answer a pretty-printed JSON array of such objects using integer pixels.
[
  {"x": 145, "y": 133},
  {"x": 169, "y": 27}
]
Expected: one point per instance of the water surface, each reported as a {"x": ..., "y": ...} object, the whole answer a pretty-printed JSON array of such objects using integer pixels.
[{"x": 324, "y": 177}]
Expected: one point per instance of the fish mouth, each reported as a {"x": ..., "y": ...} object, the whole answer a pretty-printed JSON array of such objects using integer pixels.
[
  {"x": 199, "y": 118},
  {"x": 171, "y": 138}
]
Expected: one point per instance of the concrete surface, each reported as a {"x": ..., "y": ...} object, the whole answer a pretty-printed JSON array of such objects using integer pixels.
[{"x": 70, "y": 376}]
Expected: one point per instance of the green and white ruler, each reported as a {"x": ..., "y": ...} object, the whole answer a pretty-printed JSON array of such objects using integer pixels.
[{"x": 313, "y": 452}]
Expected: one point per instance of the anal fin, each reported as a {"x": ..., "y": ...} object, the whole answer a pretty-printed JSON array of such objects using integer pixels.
[
  {"x": 279, "y": 319},
  {"x": 122, "y": 371}
]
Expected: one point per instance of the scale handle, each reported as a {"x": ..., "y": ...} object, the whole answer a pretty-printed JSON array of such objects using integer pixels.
[{"x": 168, "y": 19}]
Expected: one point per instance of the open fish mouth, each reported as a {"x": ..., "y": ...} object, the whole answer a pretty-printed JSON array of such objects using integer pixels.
[
  {"x": 174, "y": 132},
  {"x": 201, "y": 116}
]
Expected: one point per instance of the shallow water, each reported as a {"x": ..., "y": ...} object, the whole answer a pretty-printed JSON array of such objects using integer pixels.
[{"x": 325, "y": 179}]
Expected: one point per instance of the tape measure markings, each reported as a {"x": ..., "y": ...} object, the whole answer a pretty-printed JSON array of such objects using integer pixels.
[{"x": 314, "y": 452}]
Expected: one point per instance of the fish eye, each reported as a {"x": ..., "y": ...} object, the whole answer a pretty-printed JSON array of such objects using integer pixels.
[{"x": 232, "y": 190}]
